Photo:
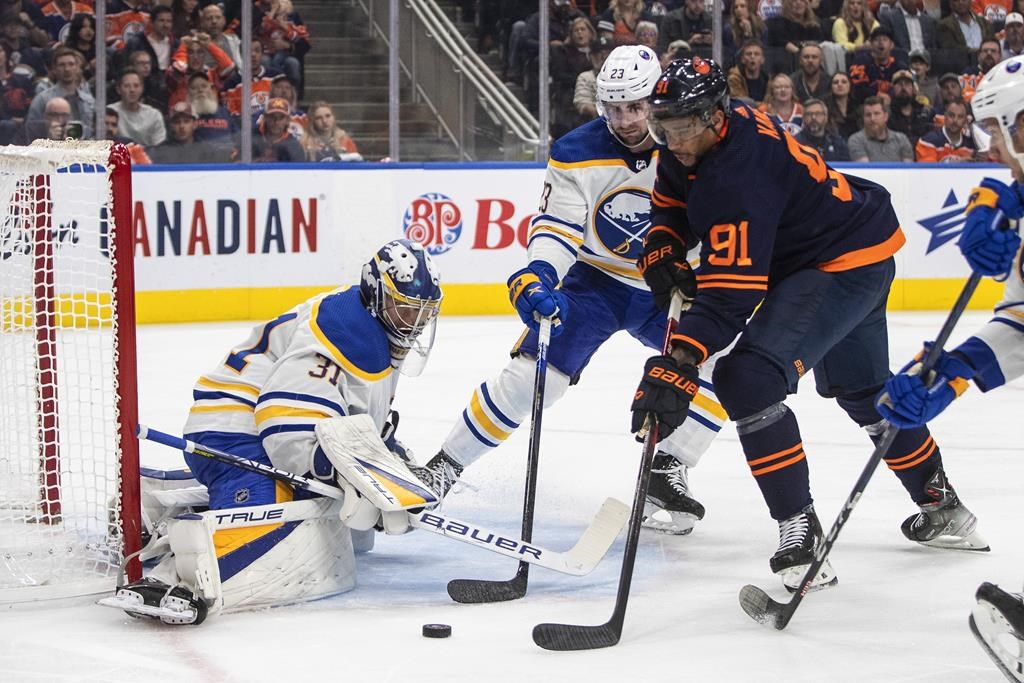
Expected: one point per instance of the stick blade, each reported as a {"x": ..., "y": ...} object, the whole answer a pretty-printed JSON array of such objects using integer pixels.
[
  {"x": 567, "y": 637},
  {"x": 477, "y": 591},
  {"x": 760, "y": 607}
]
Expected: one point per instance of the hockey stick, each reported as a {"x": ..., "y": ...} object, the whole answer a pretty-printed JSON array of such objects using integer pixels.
[
  {"x": 579, "y": 560},
  {"x": 754, "y": 601},
  {"x": 579, "y": 637},
  {"x": 482, "y": 590}
]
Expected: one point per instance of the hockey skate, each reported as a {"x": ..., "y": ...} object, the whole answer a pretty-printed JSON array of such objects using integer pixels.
[
  {"x": 176, "y": 605},
  {"x": 799, "y": 536},
  {"x": 440, "y": 474},
  {"x": 669, "y": 508},
  {"x": 945, "y": 522},
  {"x": 997, "y": 621}
]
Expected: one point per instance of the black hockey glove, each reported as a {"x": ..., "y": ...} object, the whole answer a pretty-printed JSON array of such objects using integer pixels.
[
  {"x": 664, "y": 267},
  {"x": 664, "y": 392}
]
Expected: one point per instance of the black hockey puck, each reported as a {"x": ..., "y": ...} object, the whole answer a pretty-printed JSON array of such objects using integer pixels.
[{"x": 436, "y": 630}]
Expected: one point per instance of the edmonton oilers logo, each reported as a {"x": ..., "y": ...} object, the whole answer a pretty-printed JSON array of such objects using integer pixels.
[
  {"x": 434, "y": 221},
  {"x": 621, "y": 221}
]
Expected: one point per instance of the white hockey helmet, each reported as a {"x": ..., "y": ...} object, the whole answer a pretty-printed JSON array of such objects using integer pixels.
[
  {"x": 627, "y": 75},
  {"x": 1000, "y": 96}
]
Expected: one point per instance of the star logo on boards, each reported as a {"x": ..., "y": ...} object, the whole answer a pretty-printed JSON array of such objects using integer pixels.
[{"x": 946, "y": 225}]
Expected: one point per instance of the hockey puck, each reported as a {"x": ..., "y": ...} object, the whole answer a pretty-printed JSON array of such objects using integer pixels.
[{"x": 436, "y": 630}]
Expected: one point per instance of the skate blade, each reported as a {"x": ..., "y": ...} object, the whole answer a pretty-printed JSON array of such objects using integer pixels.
[
  {"x": 988, "y": 624},
  {"x": 666, "y": 522},
  {"x": 973, "y": 542},
  {"x": 792, "y": 577},
  {"x": 134, "y": 605}
]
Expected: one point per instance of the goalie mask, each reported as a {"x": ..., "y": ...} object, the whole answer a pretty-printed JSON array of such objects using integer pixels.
[{"x": 401, "y": 288}]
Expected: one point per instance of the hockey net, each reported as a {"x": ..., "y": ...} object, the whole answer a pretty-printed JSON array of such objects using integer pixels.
[{"x": 68, "y": 455}]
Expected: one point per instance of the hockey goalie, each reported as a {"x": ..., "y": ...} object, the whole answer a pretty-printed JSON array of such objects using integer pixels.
[{"x": 308, "y": 392}]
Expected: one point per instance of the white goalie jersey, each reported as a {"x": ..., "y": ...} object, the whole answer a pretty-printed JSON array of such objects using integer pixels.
[{"x": 595, "y": 206}]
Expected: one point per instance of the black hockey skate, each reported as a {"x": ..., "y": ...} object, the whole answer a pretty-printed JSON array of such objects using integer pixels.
[
  {"x": 799, "y": 536},
  {"x": 440, "y": 474},
  {"x": 997, "y": 621},
  {"x": 669, "y": 507},
  {"x": 176, "y": 605},
  {"x": 945, "y": 522}
]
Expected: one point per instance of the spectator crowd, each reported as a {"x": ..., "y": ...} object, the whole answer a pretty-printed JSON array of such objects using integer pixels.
[
  {"x": 174, "y": 87},
  {"x": 858, "y": 80}
]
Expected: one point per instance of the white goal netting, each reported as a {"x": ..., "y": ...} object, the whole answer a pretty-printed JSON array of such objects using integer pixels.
[{"x": 60, "y": 455}]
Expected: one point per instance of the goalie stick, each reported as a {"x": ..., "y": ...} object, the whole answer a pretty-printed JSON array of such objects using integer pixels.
[
  {"x": 578, "y": 561},
  {"x": 482, "y": 590},
  {"x": 758, "y": 605},
  {"x": 579, "y": 637}
]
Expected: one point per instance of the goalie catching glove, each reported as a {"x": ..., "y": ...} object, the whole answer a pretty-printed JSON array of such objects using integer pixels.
[
  {"x": 665, "y": 392},
  {"x": 664, "y": 267},
  {"x": 532, "y": 292}
]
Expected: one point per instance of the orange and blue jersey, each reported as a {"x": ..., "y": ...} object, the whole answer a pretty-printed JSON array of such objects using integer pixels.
[{"x": 763, "y": 207}]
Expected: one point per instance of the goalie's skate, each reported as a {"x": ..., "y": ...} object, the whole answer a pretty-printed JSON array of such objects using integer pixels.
[
  {"x": 440, "y": 474},
  {"x": 945, "y": 522},
  {"x": 997, "y": 621},
  {"x": 669, "y": 508},
  {"x": 175, "y": 605},
  {"x": 799, "y": 536}
]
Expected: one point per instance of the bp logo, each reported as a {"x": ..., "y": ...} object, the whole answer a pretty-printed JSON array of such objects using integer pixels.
[
  {"x": 621, "y": 221},
  {"x": 946, "y": 225},
  {"x": 434, "y": 221}
]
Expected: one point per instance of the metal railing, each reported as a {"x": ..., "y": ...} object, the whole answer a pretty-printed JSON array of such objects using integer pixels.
[{"x": 474, "y": 109}]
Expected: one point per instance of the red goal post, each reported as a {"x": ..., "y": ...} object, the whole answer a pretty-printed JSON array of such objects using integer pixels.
[{"x": 69, "y": 466}]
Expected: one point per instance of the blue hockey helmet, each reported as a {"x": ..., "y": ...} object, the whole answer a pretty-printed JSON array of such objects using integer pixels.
[{"x": 401, "y": 287}]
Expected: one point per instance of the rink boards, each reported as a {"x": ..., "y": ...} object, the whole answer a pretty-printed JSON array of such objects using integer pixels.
[{"x": 224, "y": 243}]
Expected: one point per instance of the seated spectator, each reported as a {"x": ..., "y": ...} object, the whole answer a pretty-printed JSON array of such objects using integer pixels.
[
  {"x": 281, "y": 87},
  {"x": 184, "y": 17},
  {"x": 156, "y": 40},
  {"x": 128, "y": 19},
  {"x": 620, "y": 20},
  {"x": 909, "y": 115},
  {"x": 927, "y": 85},
  {"x": 80, "y": 36},
  {"x": 58, "y": 14},
  {"x": 53, "y": 125},
  {"x": 842, "y": 110},
  {"x": 810, "y": 80},
  {"x": 14, "y": 36},
  {"x": 872, "y": 70},
  {"x": 154, "y": 85},
  {"x": 70, "y": 84},
  {"x": 135, "y": 151},
  {"x": 181, "y": 147},
  {"x": 817, "y": 133},
  {"x": 853, "y": 25},
  {"x": 950, "y": 144},
  {"x": 743, "y": 26},
  {"x": 748, "y": 79},
  {"x": 911, "y": 28},
  {"x": 137, "y": 121},
  {"x": 950, "y": 90},
  {"x": 994, "y": 11},
  {"x": 567, "y": 63},
  {"x": 647, "y": 34},
  {"x": 876, "y": 142},
  {"x": 213, "y": 122},
  {"x": 691, "y": 23},
  {"x": 262, "y": 78},
  {"x": 584, "y": 96},
  {"x": 795, "y": 24},
  {"x": 211, "y": 22},
  {"x": 782, "y": 105},
  {"x": 284, "y": 37},
  {"x": 16, "y": 91},
  {"x": 524, "y": 41},
  {"x": 271, "y": 142},
  {"x": 1013, "y": 43},
  {"x": 961, "y": 33},
  {"x": 325, "y": 140},
  {"x": 190, "y": 58},
  {"x": 989, "y": 54}
]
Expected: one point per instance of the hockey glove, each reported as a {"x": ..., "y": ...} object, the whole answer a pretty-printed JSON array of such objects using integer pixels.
[
  {"x": 532, "y": 291},
  {"x": 665, "y": 393},
  {"x": 664, "y": 267},
  {"x": 908, "y": 400},
  {"x": 989, "y": 241},
  {"x": 387, "y": 435}
]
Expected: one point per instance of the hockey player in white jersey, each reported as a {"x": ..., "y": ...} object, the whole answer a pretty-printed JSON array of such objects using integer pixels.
[
  {"x": 582, "y": 250},
  {"x": 994, "y": 355},
  {"x": 338, "y": 354}
]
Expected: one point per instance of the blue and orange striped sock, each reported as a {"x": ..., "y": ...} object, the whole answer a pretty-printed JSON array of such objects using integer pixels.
[
  {"x": 775, "y": 454},
  {"x": 914, "y": 457}
]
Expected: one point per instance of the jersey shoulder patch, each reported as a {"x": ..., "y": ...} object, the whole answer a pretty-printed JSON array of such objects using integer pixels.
[
  {"x": 591, "y": 142},
  {"x": 355, "y": 339}
]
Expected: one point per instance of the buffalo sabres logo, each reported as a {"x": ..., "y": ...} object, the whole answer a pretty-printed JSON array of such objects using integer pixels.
[{"x": 621, "y": 220}]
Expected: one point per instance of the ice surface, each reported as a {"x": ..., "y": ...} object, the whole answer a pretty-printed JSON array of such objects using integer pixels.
[{"x": 899, "y": 612}]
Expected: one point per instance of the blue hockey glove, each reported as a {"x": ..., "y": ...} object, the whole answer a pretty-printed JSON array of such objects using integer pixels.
[
  {"x": 665, "y": 392},
  {"x": 532, "y": 291},
  {"x": 907, "y": 401},
  {"x": 989, "y": 242}
]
